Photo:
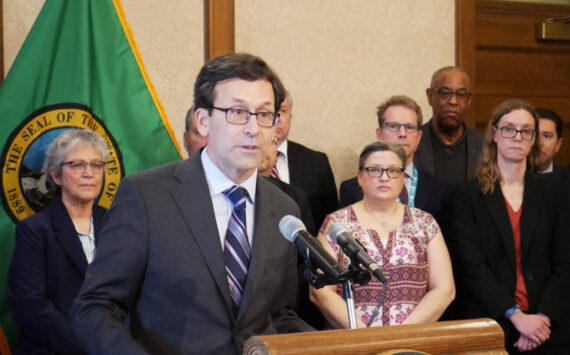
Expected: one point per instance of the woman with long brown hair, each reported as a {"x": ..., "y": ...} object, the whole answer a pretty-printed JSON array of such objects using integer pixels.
[{"x": 510, "y": 240}]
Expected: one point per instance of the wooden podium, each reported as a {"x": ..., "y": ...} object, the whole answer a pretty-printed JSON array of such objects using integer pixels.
[{"x": 474, "y": 336}]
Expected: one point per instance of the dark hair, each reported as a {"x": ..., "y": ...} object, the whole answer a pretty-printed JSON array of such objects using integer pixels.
[
  {"x": 549, "y": 114},
  {"x": 229, "y": 66},
  {"x": 381, "y": 146},
  {"x": 488, "y": 172},
  {"x": 399, "y": 100}
]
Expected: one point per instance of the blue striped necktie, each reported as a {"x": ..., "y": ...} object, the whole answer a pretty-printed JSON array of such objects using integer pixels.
[{"x": 236, "y": 247}]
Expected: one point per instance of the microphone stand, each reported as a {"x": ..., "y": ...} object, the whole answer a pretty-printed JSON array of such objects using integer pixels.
[
  {"x": 360, "y": 276},
  {"x": 354, "y": 274},
  {"x": 349, "y": 297}
]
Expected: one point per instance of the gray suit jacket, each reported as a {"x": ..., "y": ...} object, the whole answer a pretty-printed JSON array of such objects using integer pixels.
[
  {"x": 160, "y": 261},
  {"x": 424, "y": 157}
]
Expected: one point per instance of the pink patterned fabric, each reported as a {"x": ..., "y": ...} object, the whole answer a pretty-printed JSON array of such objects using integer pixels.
[{"x": 403, "y": 260}]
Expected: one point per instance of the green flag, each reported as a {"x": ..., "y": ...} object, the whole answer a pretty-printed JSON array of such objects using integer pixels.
[{"x": 78, "y": 67}]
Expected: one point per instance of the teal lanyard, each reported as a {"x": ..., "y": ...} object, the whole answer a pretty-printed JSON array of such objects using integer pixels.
[{"x": 413, "y": 188}]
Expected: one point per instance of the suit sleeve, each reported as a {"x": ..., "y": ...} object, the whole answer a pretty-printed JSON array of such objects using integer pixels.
[
  {"x": 469, "y": 255},
  {"x": 33, "y": 311},
  {"x": 114, "y": 278},
  {"x": 554, "y": 300}
]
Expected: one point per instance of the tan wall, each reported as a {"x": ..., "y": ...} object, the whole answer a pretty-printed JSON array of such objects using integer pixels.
[
  {"x": 338, "y": 58},
  {"x": 170, "y": 40}
]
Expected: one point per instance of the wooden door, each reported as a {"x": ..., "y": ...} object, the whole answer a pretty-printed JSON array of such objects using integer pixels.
[{"x": 495, "y": 44}]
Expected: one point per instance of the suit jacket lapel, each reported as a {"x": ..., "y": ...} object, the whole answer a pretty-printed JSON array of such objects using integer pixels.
[
  {"x": 532, "y": 200},
  {"x": 193, "y": 199},
  {"x": 264, "y": 215},
  {"x": 66, "y": 234},
  {"x": 498, "y": 210},
  {"x": 426, "y": 157},
  {"x": 421, "y": 191}
]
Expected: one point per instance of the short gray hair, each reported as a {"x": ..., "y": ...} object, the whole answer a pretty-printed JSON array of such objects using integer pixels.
[
  {"x": 449, "y": 68},
  {"x": 66, "y": 142}
]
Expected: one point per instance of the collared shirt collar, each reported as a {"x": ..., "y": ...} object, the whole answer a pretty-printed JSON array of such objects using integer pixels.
[
  {"x": 283, "y": 148},
  {"x": 409, "y": 170},
  {"x": 549, "y": 169},
  {"x": 218, "y": 182}
]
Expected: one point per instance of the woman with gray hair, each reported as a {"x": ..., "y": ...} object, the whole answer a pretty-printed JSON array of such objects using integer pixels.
[
  {"x": 405, "y": 242},
  {"x": 54, "y": 246}
]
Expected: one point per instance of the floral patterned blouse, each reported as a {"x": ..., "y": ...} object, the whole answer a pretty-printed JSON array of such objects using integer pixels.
[{"x": 404, "y": 263}]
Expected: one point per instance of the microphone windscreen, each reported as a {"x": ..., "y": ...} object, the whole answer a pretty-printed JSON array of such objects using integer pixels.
[
  {"x": 335, "y": 229},
  {"x": 290, "y": 226}
]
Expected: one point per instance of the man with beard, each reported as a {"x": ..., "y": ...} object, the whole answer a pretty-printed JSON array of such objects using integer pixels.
[{"x": 449, "y": 149}]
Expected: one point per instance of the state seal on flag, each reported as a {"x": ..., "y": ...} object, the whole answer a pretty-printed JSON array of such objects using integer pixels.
[{"x": 24, "y": 190}]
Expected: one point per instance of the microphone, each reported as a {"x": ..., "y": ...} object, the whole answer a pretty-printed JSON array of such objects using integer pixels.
[
  {"x": 309, "y": 247},
  {"x": 354, "y": 250}
]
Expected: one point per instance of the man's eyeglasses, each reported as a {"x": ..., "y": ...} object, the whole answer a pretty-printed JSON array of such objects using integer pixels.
[
  {"x": 374, "y": 172},
  {"x": 241, "y": 117},
  {"x": 395, "y": 127},
  {"x": 80, "y": 166},
  {"x": 511, "y": 132},
  {"x": 446, "y": 94}
]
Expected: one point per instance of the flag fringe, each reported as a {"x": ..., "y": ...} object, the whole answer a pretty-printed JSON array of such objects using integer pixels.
[{"x": 130, "y": 38}]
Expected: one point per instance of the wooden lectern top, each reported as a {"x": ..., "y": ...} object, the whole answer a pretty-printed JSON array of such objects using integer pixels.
[{"x": 473, "y": 336}]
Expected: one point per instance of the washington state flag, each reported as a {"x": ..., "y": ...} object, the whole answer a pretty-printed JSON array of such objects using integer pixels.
[{"x": 78, "y": 67}]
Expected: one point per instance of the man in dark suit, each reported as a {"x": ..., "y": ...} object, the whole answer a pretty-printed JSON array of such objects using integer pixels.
[
  {"x": 399, "y": 119},
  {"x": 305, "y": 308},
  {"x": 305, "y": 168},
  {"x": 182, "y": 267},
  {"x": 549, "y": 141},
  {"x": 449, "y": 149},
  {"x": 192, "y": 139}
]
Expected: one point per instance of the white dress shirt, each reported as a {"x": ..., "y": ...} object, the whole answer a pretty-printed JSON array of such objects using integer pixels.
[
  {"x": 218, "y": 182},
  {"x": 282, "y": 163}
]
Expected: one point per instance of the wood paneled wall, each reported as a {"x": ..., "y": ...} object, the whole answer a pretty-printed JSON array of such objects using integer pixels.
[{"x": 497, "y": 47}]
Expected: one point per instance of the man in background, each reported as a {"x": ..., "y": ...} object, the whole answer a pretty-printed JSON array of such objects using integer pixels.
[
  {"x": 304, "y": 308},
  {"x": 549, "y": 141},
  {"x": 304, "y": 168},
  {"x": 192, "y": 139},
  {"x": 399, "y": 122},
  {"x": 449, "y": 149}
]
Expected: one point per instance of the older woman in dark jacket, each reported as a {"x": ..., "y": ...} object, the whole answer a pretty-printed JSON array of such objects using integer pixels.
[{"x": 54, "y": 247}]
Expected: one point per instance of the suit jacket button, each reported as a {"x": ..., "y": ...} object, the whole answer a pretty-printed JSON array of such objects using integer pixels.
[{"x": 530, "y": 276}]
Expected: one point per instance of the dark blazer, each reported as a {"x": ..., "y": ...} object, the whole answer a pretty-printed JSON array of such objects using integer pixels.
[
  {"x": 482, "y": 248},
  {"x": 424, "y": 158},
  {"x": 304, "y": 307},
  {"x": 431, "y": 194},
  {"x": 160, "y": 261},
  {"x": 300, "y": 197},
  {"x": 311, "y": 171},
  {"x": 47, "y": 269}
]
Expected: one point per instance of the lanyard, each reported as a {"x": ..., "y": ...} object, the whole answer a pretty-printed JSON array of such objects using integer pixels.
[{"x": 413, "y": 188}]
